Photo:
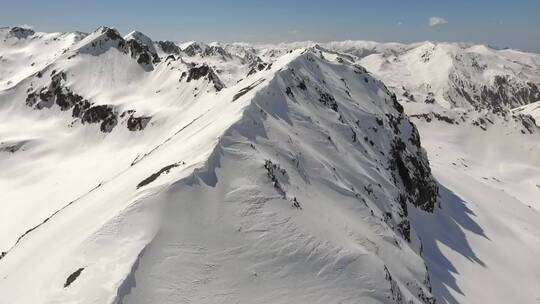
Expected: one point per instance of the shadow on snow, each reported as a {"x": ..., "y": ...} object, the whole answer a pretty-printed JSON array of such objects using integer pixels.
[{"x": 447, "y": 226}]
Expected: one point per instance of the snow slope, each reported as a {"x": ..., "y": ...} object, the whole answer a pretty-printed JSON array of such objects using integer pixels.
[
  {"x": 532, "y": 109},
  {"x": 142, "y": 176},
  {"x": 481, "y": 246},
  {"x": 25, "y": 52},
  {"x": 476, "y": 112}
]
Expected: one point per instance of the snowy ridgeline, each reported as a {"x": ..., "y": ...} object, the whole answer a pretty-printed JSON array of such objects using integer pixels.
[{"x": 145, "y": 171}]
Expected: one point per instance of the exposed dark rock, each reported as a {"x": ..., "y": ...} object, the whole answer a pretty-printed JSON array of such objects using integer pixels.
[
  {"x": 111, "y": 33},
  {"x": 67, "y": 100},
  {"x": 505, "y": 92},
  {"x": 296, "y": 204},
  {"x": 244, "y": 91},
  {"x": 72, "y": 277},
  {"x": 204, "y": 70},
  {"x": 395, "y": 121},
  {"x": 415, "y": 175},
  {"x": 169, "y": 47},
  {"x": 21, "y": 32},
  {"x": 480, "y": 122},
  {"x": 430, "y": 116},
  {"x": 137, "y": 123},
  {"x": 197, "y": 72},
  {"x": 193, "y": 49},
  {"x": 142, "y": 53},
  {"x": 103, "y": 114},
  {"x": 275, "y": 173},
  {"x": 289, "y": 92},
  {"x": 430, "y": 98},
  {"x": 138, "y": 50},
  {"x": 11, "y": 147},
  {"x": 404, "y": 228},
  {"x": 527, "y": 121},
  {"x": 258, "y": 66},
  {"x": 79, "y": 108},
  {"x": 396, "y": 104},
  {"x": 329, "y": 101},
  {"x": 358, "y": 69},
  {"x": 154, "y": 176},
  {"x": 144, "y": 58},
  {"x": 302, "y": 85},
  {"x": 216, "y": 51},
  {"x": 408, "y": 95}
]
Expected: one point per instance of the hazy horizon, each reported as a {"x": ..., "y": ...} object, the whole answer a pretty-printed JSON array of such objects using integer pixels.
[{"x": 496, "y": 23}]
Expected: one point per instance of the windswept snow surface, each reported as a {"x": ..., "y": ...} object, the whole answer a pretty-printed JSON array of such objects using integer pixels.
[
  {"x": 136, "y": 179},
  {"x": 136, "y": 171},
  {"x": 481, "y": 246}
]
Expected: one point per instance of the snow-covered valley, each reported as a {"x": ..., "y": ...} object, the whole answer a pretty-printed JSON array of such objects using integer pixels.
[{"x": 140, "y": 171}]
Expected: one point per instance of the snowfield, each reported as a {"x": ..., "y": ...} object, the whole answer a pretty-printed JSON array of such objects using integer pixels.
[{"x": 140, "y": 171}]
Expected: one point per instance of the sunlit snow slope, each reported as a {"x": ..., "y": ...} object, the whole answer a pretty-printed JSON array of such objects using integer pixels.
[
  {"x": 477, "y": 116},
  {"x": 165, "y": 173}
]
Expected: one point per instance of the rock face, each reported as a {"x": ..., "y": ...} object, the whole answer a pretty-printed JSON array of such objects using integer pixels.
[
  {"x": 107, "y": 116},
  {"x": 203, "y": 71},
  {"x": 169, "y": 47},
  {"x": 531, "y": 111},
  {"x": 142, "y": 48},
  {"x": 21, "y": 32},
  {"x": 505, "y": 92},
  {"x": 193, "y": 49},
  {"x": 105, "y": 38},
  {"x": 450, "y": 82}
]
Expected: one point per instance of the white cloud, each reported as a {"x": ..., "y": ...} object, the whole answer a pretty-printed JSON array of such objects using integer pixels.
[
  {"x": 434, "y": 21},
  {"x": 400, "y": 23}
]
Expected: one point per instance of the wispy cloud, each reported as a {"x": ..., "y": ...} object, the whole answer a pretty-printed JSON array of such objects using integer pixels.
[{"x": 434, "y": 21}]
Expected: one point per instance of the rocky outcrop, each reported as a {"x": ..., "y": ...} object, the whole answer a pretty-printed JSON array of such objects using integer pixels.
[
  {"x": 21, "y": 32},
  {"x": 414, "y": 173},
  {"x": 107, "y": 116},
  {"x": 106, "y": 38},
  {"x": 169, "y": 47},
  {"x": 193, "y": 49},
  {"x": 203, "y": 71},
  {"x": 503, "y": 93}
]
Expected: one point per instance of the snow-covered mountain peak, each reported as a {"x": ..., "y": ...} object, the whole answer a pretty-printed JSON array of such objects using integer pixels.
[
  {"x": 164, "y": 138},
  {"x": 135, "y": 44},
  {"x": 141, "y": 38},
  {"x": 20, "y": 32},
  {"x": 194, "y": 48},
  {"x": 458, "y": 82}
]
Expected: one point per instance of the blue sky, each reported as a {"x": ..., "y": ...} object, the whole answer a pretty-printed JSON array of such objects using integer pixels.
[{"x": 497, "y": 22}]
